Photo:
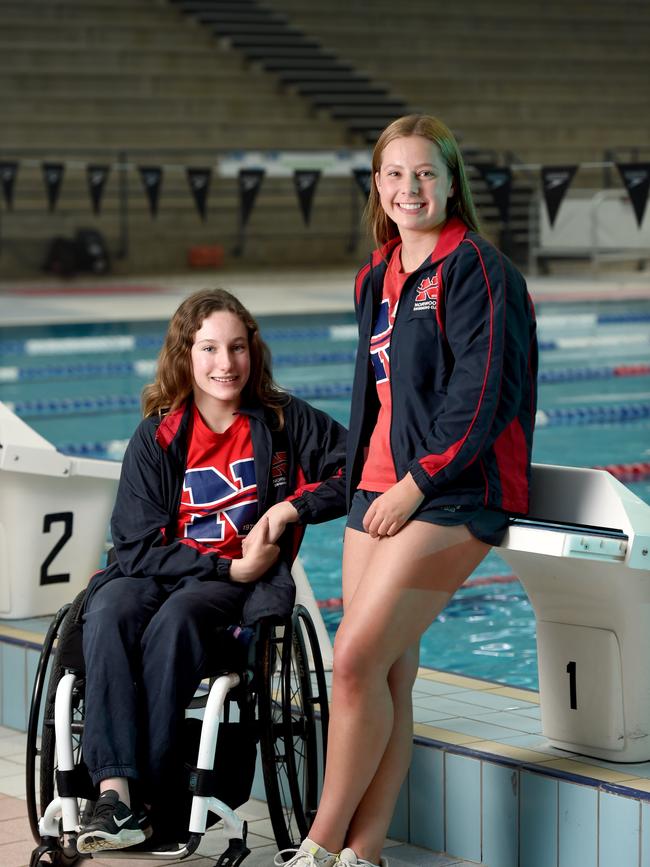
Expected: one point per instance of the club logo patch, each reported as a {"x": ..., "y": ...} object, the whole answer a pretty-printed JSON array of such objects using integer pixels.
[
  {"x": 279, "y": 465},
  {"x": 426, "y": 294}
]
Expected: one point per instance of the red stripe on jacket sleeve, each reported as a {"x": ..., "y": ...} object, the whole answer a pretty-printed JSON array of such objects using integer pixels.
[
  {"x": 511, "y": 451},
  {"x": 302, "y": 486}
]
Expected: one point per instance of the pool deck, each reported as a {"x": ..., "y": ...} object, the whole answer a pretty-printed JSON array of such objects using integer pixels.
[{"x": 265, "y": 293}]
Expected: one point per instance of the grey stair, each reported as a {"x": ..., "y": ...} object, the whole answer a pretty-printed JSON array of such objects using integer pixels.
[{"x": 268, "y": 39}]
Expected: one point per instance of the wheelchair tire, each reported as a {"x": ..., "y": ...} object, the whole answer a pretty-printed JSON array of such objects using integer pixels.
[
  {"x": 289, "y": 729},
  {"x": 48, "y": 738},
  {"x": 32, "y": 750}
]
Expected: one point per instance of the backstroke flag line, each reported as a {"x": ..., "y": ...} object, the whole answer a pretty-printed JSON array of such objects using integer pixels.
[
  {"x": 363, "y": 179},
  {"x": 199, "y": 181},
  {"x": 499, "y": 183},
  {"x": 152, "y": 179},
  {"x": 250, "y": 181},
  {"x": 8, "y": 172},
  {"x": 636, "y": 177},
  {"x": 97, "y": 177},
  {"x": 306, "y": 181},
  {"x": 53, "y": 177},
  {"x": 556, "y": 180}
]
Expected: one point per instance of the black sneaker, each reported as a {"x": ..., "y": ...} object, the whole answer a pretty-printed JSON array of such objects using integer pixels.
[{"x": 113, "y": 826}]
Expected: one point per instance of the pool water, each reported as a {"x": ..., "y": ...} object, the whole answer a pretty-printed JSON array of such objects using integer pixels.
[{"x": 594, "y": 399}]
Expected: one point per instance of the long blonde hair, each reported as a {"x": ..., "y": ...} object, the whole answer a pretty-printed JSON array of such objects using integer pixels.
[
  {"x": 460, "y": 203},
  {"x": 174, "y": 381}
]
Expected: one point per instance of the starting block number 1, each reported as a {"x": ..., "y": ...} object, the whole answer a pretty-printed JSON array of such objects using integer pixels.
[
  {"x": 573, "y": 698},
  {"x": 66, "y": 519}
]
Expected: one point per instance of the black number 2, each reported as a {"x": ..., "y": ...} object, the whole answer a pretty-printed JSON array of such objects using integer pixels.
[
  {"x": 573, "y": 698},
  {"x": 64, "y": 518}
]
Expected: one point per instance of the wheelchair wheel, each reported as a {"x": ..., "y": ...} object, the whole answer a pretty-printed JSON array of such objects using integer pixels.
[
  {"x": 65, "y": 631},
  {"x": 32, "y": 747},
  {"x": 289, "y": 730}
]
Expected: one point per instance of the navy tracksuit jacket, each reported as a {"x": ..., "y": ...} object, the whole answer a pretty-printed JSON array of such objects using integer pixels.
[{"x": 463, "y": 361}]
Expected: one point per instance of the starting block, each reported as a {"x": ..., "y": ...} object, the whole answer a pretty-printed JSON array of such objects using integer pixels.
[
  {"x": 54, "y": 517},
  {"x": 583, "y": 557}
]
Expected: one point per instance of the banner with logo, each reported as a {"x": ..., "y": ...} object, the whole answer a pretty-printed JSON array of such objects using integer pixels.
[
  {"x": 499, "y": 183},
  {"x": 556, "y": 180},
  {"x": 199, "y": 181},
  {"x": 305, "y": 182},
  {"x": 97, "y": 177},
  {"x": 250, "y": 181},
  {"x": 8, "y": 172},
  {"x": 636, "y": 177},
  {"x": 363, "y": 177},
  {"x": 53, "y": 177},
  {"x": 152, "y": 180}
]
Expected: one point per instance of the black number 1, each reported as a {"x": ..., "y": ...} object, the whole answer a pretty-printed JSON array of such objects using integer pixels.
[
  {"x": 571, "y": 671},
  {"x": 64, "y": 518}
]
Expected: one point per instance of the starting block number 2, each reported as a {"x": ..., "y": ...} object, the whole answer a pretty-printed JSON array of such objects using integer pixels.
[{"x": 63, "y": 521}]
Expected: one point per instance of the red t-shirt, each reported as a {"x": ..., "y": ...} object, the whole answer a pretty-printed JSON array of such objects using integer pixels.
[
  {"x": 379, "y": 467},
  {"x": 219, "y": 498}
]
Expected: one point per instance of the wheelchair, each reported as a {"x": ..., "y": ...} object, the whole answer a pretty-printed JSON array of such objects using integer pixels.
[{"x": 276, "y": 686}]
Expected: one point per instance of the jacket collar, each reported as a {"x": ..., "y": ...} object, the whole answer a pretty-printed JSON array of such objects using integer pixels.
[
  {"x": 171, "y": 424},
  {"x": 453, "y": 233},
  {"x": 176, "y": 422}
]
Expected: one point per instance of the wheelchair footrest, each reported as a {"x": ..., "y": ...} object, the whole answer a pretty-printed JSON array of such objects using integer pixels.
[{"x": 234, "y": 854}]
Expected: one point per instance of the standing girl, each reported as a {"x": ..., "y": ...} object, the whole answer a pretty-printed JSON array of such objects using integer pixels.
[
  {"x": 439, "y": 449},
  {"x": 220, "y": 450}
]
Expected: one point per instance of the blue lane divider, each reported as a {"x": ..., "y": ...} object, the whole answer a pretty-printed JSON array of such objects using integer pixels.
[
  {"x": 126, "y": 342},
  {"x": 129, "y": 403},
  {"x": 145, "y": 368},
  {"x": 593, "y": 415}
]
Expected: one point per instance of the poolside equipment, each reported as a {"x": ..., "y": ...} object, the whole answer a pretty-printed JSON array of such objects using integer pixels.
[
  {"x": 583, "y": 556},
  {"x": 54, "y": 514}
]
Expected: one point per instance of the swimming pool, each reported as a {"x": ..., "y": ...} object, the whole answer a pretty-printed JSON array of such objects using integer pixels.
[{"x": 79, "y": 385}]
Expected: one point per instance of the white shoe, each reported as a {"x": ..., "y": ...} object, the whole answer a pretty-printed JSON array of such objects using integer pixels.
[
  {"x": 348, "y": 858},
  {"x": 309, "y": 854}
]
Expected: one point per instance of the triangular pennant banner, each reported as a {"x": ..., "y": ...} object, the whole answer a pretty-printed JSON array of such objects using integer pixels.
[
  {"x": 97, "y": 177},
  {"x": 199, "y": 181},
  {"x": 555, "y": 182},
  {"x": 250, "y": 181},
  {"x": 8, "y": 172},
  {"x": 305, "y": 182},
  {"x": 53, "y": 177},
  {"x": 152, "y": 181},
  {"x": 636, "y": 177},
  {"x": 363, "y": 179},
  {"x": 499, "y": 182}
]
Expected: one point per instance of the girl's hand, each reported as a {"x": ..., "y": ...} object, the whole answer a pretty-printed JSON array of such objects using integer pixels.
[
  {"x": 390, "y": 511},
  {"x": 259, "y": 556},
  {"x": 277, "y": 518}
]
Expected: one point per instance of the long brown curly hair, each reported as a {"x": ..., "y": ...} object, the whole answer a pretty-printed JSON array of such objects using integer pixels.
[
  {"x": 429, "y": 127},
  {"x": 174, "y": 381}
]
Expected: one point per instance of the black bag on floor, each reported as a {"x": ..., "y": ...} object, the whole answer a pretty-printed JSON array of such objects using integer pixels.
[
  {"x": 92, "y": 251},
  {"x": 62, "y": 257}
]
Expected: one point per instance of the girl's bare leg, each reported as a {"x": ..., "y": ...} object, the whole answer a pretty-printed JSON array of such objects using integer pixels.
[{"x": 393, "y": 588}]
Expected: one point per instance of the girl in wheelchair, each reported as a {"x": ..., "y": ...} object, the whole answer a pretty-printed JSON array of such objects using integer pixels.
[{"x": 217, "y": 484}]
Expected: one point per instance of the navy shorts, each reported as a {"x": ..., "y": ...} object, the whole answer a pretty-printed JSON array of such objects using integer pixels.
[{"x": 487, "y": 525}]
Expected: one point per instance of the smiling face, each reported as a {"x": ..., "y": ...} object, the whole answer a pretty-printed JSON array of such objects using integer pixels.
[
  {"x": 221, "y": 363},
  {"x": 414, "y": 185}
]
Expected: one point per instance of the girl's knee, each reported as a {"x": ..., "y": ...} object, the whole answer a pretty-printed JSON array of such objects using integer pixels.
[{"x": 354, "y": 663}]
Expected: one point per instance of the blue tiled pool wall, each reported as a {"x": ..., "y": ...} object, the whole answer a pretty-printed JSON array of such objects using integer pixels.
[{"x": 502, "y": 815}]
